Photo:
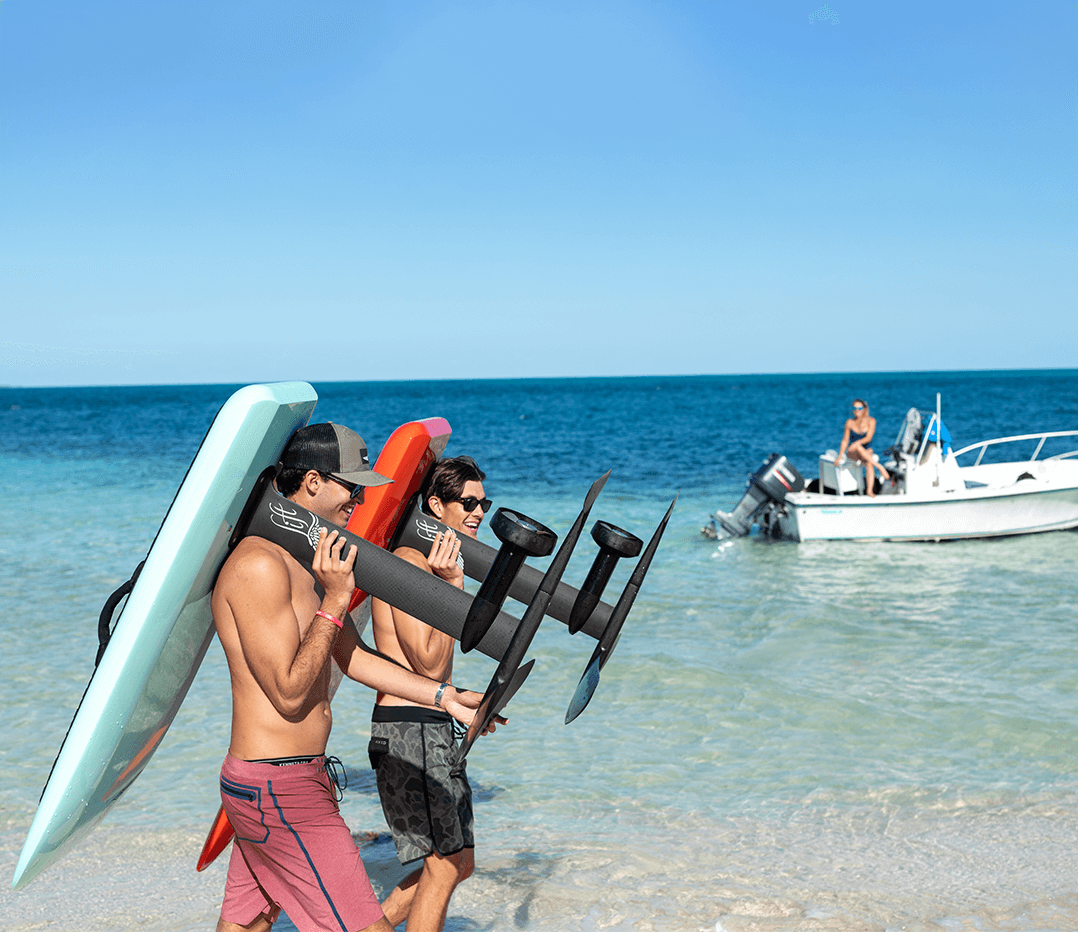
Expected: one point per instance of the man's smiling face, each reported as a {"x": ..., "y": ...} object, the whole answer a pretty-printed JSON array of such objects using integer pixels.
[{"x": 455, "y": 515}]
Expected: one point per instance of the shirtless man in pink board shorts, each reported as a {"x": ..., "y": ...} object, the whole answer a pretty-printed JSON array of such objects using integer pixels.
[{"x": 292, "y": 849}]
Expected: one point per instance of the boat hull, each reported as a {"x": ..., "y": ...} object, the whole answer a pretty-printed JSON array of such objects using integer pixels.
[{"x": 974, "y": 513}]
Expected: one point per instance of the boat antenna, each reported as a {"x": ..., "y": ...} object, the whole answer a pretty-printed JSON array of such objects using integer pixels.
[{"x": 939, "y": 439}]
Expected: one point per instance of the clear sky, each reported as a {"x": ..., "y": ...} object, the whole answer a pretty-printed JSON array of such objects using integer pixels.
[{"x": 251, "y": 190}]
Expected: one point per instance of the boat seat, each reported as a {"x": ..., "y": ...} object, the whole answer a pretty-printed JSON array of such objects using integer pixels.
[
  {"x": 909, "y": 435},
  {"x": 846, "y": 478}
]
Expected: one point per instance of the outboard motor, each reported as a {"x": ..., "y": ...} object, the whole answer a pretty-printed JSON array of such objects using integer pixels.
[{"x": 768, "y": 485}]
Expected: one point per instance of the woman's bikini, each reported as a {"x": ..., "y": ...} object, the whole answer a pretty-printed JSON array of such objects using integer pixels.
[{"x": 856, "y": 436}]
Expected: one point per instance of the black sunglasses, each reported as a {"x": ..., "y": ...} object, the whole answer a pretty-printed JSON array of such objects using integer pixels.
[
  {"x": 355, "y": 490},
  {"x": 470, "y": 502}
]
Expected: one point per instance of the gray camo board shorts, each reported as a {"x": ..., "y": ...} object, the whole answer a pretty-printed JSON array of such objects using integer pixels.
[{"x": 424, "y": 790}]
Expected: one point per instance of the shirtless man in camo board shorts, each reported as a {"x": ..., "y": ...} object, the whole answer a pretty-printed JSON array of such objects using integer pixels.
[{"x": 424, "y": 789}]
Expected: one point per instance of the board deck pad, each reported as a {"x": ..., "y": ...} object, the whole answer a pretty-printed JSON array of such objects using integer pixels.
[{"x": 165, "y": 628}]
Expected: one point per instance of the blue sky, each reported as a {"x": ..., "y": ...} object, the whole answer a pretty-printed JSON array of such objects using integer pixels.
[{"x": 242, "y": 191}]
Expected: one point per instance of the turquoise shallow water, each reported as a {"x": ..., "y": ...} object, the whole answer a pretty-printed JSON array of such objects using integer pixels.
[{"x": 789, "y": 737}]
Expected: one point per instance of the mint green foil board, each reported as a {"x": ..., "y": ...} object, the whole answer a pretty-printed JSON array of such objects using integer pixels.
[{"x": 165, "y": 627}]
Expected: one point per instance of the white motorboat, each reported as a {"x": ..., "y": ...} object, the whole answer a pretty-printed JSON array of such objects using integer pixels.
[{"x": 930, "y": 495}]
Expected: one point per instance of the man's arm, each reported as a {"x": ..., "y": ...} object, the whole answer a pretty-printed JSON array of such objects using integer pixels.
[
  {"x": 259, "y": 595},
  {"x": 372, "y": 670},
  {"x": 426, "y": 649}
]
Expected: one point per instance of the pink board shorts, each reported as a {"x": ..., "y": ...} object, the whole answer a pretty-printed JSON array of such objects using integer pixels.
[{"x": 293, "y": 851}]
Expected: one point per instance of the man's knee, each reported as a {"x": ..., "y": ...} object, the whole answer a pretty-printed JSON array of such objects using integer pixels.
[{"x": 453, "y": 868}]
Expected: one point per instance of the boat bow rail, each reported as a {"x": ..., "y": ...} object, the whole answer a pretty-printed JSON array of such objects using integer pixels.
[{"x": 1040, "y": 438}]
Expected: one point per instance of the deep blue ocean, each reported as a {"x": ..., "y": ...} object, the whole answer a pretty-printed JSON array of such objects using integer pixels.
[{"x": 824, "y": 736}]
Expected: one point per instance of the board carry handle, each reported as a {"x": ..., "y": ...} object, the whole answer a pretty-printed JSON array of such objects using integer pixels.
[
  {"x": 104, "y": 620},
  {"x": 417, "y": 530},
  {"x": 521, "y": 537},
  {"x": 376, "y": 571},
  {"x": 614, "y": 543},
  {"x": 608, "y": 640},
  {"x": 254, "y": 500},
  {"x": 500, "y": 683}
]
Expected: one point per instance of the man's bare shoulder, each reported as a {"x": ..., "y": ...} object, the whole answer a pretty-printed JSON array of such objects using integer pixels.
[
  {"x": 413, "y": 556},
  {"x": 255, "y": 562}
]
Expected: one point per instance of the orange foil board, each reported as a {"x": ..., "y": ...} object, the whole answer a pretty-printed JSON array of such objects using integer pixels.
[{"x": 406, "y": 458}]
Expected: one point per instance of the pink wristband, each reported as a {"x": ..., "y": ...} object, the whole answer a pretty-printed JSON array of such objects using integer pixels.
[{"x": 336, "y": 621}]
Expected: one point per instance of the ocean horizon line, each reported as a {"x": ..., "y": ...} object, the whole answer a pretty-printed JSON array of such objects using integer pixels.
[{"x": 920, "y": 373}]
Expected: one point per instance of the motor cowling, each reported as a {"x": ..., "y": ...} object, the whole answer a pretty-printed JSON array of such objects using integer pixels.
[{"x": 770, "y": 483}]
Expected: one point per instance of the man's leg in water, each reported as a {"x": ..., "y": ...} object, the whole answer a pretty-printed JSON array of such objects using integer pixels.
[
  {"x": 400, "y": 899},
  {"x": 422, "y": 898},
  {"x": 261, "y": 924}
]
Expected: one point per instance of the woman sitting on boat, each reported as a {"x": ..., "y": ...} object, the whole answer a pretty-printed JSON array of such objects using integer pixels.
[{"x": 860, "y": 429}]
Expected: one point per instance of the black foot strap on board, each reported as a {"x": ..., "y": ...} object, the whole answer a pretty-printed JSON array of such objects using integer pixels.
[{"x": 104, "y": 620}]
